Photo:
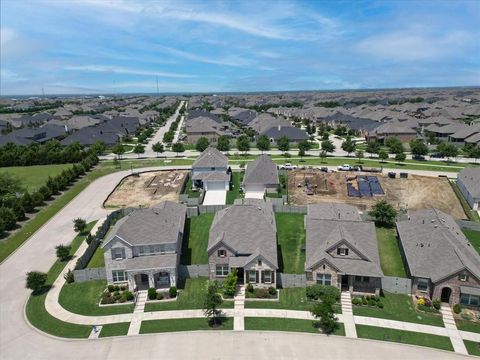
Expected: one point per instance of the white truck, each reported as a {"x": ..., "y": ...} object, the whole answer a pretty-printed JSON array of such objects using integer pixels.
[
  {"x": 288, "y": 166},
  {"x": 344, "y": 167}
]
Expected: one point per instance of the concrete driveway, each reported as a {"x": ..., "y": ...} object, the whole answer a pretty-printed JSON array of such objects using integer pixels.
[
  {"x": 254, "y": 194},
  {"x": 215, "y": 197}
]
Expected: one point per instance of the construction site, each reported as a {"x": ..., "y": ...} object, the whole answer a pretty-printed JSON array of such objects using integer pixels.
[
  {"x": 147, "y": 189},
  {"x": 412, "y": 192}
]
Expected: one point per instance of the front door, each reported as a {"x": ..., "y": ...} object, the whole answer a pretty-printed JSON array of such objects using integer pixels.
[
  {"x": 446, "y": 292},
  {"x": 344, "y": 282},
  {"x": 240, "y": 276}
]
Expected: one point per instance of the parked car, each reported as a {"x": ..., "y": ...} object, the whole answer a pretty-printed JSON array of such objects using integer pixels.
[
  {"x": 418, "y": 157},
  {"x": 437, "y": 156},
  {"x": 288, "y": 166},
  {"x": 324, "y": 169},
  {"x": 344, "y": 167}
]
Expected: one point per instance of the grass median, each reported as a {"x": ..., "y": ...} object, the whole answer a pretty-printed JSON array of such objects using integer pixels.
[
  {"x": 282, "y": 324},
  {"x": 117, "y": 329},
  {"x": 188, "y": 324}
]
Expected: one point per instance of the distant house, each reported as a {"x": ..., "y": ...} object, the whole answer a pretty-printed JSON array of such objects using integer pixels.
[
  {"x": 439, "y": 258},
  {"x": 210, "y": 171},
  {"x": 292, "y": 133},
  {"x": 143, "y": 249},
  {"x": 260, "y": 175},
  {"x": 389, "y": 130},
  {"x": 29, "y": 135},
  {"x": 204, "y": 127},
  {"x": 244, "y": 236},
  {"x": 341, "y": 250},
  {"x": 461, "y": 136},
  {"x": 468, "y": 181}
]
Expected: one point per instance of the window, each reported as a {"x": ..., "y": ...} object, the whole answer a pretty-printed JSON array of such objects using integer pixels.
[
  {"x": 267, "y": 277},
  {"x": 259, "y": 262},
  {"x": 141, "y": 250},
  {"x": 471, "y": 300},
  {"x": 463, "y": 277},
  {"x": 252, "y": 276},
  {"x": 324, "y": 279},
  {"x": 118, "y": 275},
  {"x": 118, "y": 253},
  {"x": 151, "y": 249},
  {"x": 422, "y": 284},
  {"x": 222, "y": 253},
  {"x": 342, "y": 251},
  {"x": 157, "y": 249},
  {"x": 222, "y": 270}
]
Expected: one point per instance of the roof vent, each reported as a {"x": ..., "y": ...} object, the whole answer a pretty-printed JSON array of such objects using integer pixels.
[{"x": 421, "y": 245}]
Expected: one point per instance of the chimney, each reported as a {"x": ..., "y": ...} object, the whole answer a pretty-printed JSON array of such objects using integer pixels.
[{"x": 279, "y": 127}]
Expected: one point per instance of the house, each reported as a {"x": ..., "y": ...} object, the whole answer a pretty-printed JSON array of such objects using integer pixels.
[
  {"x": 143, "y": 249},
  {"x": 292, "y": 133},
  {"x": 461, "y": 136},
  {"x": 439, "y": 258},
  {"x": 388, "y": 130},
  {"x": 244, "y": 236},
  {"x": 90, "y": 135},
  {"x": 204, "y": 127},
  {"x": 260, "y": 175},
  {"x": 210, "y": 171},
  {"x": 341, "y": 250},
  {"x": 468, "y": 181}
]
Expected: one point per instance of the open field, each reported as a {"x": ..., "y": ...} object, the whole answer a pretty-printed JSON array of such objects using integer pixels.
[
  {"x": 33, "y": 177},
  {"x": 414, "y": 193},
  {"x": 147, "y": 189}
]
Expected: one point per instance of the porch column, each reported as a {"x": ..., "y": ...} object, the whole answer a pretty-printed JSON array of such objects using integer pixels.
[
  {"x": 172, "y": 279},
  {"x": 151, "y": 280},
  {"x": 350, "y": 284},
  {"x": 131, "y": 281}
]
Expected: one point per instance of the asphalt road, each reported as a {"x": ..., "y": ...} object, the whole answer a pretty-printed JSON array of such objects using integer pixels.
[{"x": 18, "y": 340}]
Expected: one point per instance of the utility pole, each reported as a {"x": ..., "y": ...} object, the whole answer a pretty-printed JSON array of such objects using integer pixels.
[{"x": 157, "y": 85}]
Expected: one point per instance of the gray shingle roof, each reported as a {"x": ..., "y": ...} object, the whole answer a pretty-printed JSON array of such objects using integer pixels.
[
  {"x": 246, "y": 228},
  {"x": 435, "y": 246},
  {"x": 359, "y": 236},
  {"x": 261, "y": 171},
  {"x": 210, "y": 157},
  {"x": 333, "y": 211},
  {"x": 150, "y": 262},
  {"x": 157, "y": 225},
  {"x": 212, "y": 176},
  {"x": 291, "y": 132},
  {"x": 470, "y": 177}
]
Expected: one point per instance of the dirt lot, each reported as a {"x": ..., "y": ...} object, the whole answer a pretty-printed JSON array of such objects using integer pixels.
[
  {"x": 415, "y": 192},
  {"x": 147, "y": 189}
]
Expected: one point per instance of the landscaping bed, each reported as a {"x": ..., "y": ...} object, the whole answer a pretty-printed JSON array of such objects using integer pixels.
[
  {"x": 261, "y": 293},
  {"x": 162, "y": 294},
  {"x": 116, "y": 294},
  {"x": 467, "y": 319},
  {"x": 188, "y": 324},
  {"x": 282, "y": 324}
]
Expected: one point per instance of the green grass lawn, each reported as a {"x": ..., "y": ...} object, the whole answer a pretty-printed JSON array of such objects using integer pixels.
[
  {"x": 236, "y": 183},
  {"x": 117, "y": 329},
  {"x": 398, "y": 307},
  {"x": 189, "y": 324},
  {"x": 97, "y": 259},
  {"x": 404, "y": 337},
  {"x": 388, "y": 248},
  {"x": 468, "y": 326},
  {"x": 282, "y": 324},
  {"x": 191, "y": 297},
  {"x": 474, "y": 237},
  {"x": 33, "y": 177},
  {"x": 291, "y": 242},
  {"x": 194, "y": 247},
  {"x": 38, "y": 315},
  {"x": 189, "y": 191},
  {"x": 473, "y": 347},
  {"x": 83, "y": 298}
]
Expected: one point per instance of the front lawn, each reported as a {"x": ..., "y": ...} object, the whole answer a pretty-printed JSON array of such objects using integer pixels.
[
  {"x": 283, "y": 324},
  {"x": 191, "y": 297},
  {"x": 194, "y": 247},
  {"x": 473, "y": 347},
  {"x": 189, "y": 324},
  {"x": 468, "y": 326},
  {"x": 398, "y": 307},
  {"x": 83, "y": 298},
  {"x": 97, "y": 260},
  {"x": 235, "y": 193},
  {"x": 291, "y": 242},
  {"x": 404, "y": 337},
  {"x": 117, "y": 329},
  {"x": 389, "y": 250},
  {"x": 474, "y": 238}
]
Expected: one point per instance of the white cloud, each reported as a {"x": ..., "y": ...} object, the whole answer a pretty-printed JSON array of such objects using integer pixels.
[
  {"x": 229, "y": 60},
  {"x": 124, "y": 70},
  {"x": 10, "y": 76}
]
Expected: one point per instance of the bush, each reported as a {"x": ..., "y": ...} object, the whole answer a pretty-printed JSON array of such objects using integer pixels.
[
  {"x": 123, "y": 287},
  {"x": 172, "y": 292},
  {"x": 36, "y": 280},
  {"x": 380, "y": 304},
  {"x": 117, "y": 295},
  {"x": 272, "y": 291},
  {"x": 116, "y": 288},
  {"x": 63, "y": 252},
  {"x": 356, "y": 301},
  {"x": 421, "y": 302},
  {"x": 110, "y": 288},
  {"x": 437, "y": 304},
  {"x": 159, "y": 296},
  {"x": 230, "y": 284},
  {"x": 261, "y": 293},
  {"x": 457, "y": 309},
  {"x": 466, "y": 316},
  {"x": 250, "y": 288},
  {"x": 68, "y": 276},
  {"x": 372, "y": 302},
  {"x": 128, "y": 295},
  {"x": 152, "y": 293},
  {"x": 364, "y": 301},
  {"x": 317, "y": 292},
  {"x": 107, "y": 298}
]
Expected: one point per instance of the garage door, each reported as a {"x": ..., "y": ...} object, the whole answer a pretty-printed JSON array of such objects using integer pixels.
[{"x": 214, "y": 185}]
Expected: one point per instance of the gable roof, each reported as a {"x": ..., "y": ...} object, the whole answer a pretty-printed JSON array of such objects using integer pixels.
[
  {"x": 211, "y": 157},
  {"x": 470, "y": 178},
  {"x": 261, "y": 171},
  {"x": 333, "y": 211},
  {"x": 435, "y": 246},
  {"x": 291, "y": 132},
  {"x": 203, "y": 125},
  {"x": 247, "y": 228}
]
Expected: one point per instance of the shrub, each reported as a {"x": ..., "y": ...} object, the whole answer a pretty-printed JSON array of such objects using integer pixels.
[
  {"x": 152, "y": 293},
  {"x": 117, "y": 295},
  {"x": 421, "y": 302},
  {"x": 123, "y": 287},
  {"x": 457, "y": 309},
  {"x": 272, "y": 291},
  {"x": 122, "y": 299},
  {"x": 318, "y": 292},
  {"x": 116, "y": 288},
  {"x": 466, "y": 316},
  {"x": 437, "y": 304},
  {"x": 250, "y": 288},
  {"x": 172, "y": 292},
  {"x": 428, "y": 302},
  {"x": 261, "y": 293},
  {"x": 356, "y": 301},
  {"x": 68, "y": 276},
  {"x": 36, "y": 280},
  {"x": 364, "y": 301},
  {"x": 372, "y": 302},
  {"x": 128, "y": 295},
  {"x": 110, "y": 288},
  {"x": 159, "y": 296},
  {"x": 107, "y": 298},
  {"x": 79, "y": 225},
  {"x": 230, "y": 284}
]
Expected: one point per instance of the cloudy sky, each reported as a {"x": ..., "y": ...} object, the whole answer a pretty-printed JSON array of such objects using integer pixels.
[{"x": 116, "y": 46}]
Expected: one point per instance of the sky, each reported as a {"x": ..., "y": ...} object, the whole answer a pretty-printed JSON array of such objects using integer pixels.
[{"x": 117, "y": 46}]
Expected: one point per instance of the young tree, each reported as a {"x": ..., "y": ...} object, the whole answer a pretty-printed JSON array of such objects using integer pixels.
[
  {"x": 400, "y": 157},
  {"x": 327, "y": 145},
  {"x": 139, "y": 149},
  {"x": 158, "y": 148},
  {"x": 348, "y": 145},
  {"x": 63, "y": 252},
  {"x": 283, "y": 144},
  {"x": 447, "y": 149},
  {"x": 230, "y": 284},
  {"x": 418, "y": 147},
  {"x": 263, "y": 144},
  {"x": 35, "y": 280},
  {"x": 383, "y": 214},
  {"x": 8, "y": 218},
  {"x": 323, "y": 155},
  {"x": 359, "y": 154},
  {"x": 394, "y": 145},
  {"x": 373, "y": 147},
  {"x": 118, "y": 150},
  {"x": 202, "y": 144},
  {"x": 325, "y": 314},
  {"x": 213, "y": 300},
  {"x": 79, "y": 225},
  {"x": 178, "y": 148},
  {"x": 243, "y": 143},
  {"x": 303, "y": 147},
  {"x": 474, "y": 153},
  {"x": 223, "y": 143},
  {"x": 27, "y": 202},
  {"x": 18, "y": 210},
  {"x": 382, "y": 155}
]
